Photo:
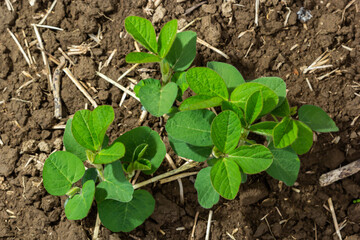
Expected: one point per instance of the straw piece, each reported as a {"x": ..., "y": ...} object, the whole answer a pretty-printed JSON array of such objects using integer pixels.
[
  {"x": 81, "y": 88},
  {"x": 332, "y": 210},
  {"x": 339, "y": 173},
  {"x": 48, "y": 12},
  {"x": 127, "y": 72},
  {"x": 43, "y": 54},
  {"x": 20, "y": 47},
  {"x": 117, "y": 85},
  {"x": 207, "y": 236},
  {"x": 56, "y": 89},
  {"x": 49, "y": 27},
  {"x": 212, "y": 48},
  {"x": 257, "y": 3}
]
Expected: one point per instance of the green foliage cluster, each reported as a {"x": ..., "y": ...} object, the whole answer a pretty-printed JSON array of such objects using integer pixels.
[
  {"x": 120, "y": 207},
  {"x": 221, "y": 140}
]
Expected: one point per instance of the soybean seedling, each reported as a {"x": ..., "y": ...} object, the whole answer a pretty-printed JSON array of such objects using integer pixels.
[
  {"x": 173, "y": 51},
  {"x": 120, "y": 207},
  {"x": 198, "y": 133}
]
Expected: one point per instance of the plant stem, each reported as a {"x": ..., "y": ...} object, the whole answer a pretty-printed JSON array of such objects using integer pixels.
[
  {"x": 166, "y": 72},
  {"x": 73, "y": 191},
  {"x": 97, "y": 227},
  {"x": 184, "y": 167}
]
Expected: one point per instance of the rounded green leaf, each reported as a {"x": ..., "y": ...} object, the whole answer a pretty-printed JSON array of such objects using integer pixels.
[
  {"x": 115, "y": 185},
  {"x": 316, "y": 119},
  {"x": 192, "y": 127},
  {"x": 156, "y": 99},
  {"x": 142, "y": 31},
  {"x": 141, "y": 57},
  {"x": 90, "y": 174},
  {"x": 252, "y": 159},
  {"x": 200, "y": 102},
  {"x": 61, "y": 171},
  {"x": 253, "y": 107},
  {"x": 226, "y": 131},
  {"x": 276, "y": 84},
  {"x": 226, "y": 178},
  {"x": 78, "y": 206},
  {"x": 263, "y": 128},
  {"x": 166, "y": 37},
  {"x": 183, "y": 51},
  {"x": 148, "y": 81},
  {"x": 285, "y": 133},
  {"x": 82, "y": 131},
  {"x": 229, "y": 73},
  {"x": 240, "y": 95},
  {"x": 304, "y": 141},
  {"x": 285, "y": 166},
  {"x": 204, "y": 81},
  {"x": 155, "y": 151},
  {"x": 283, "y": 110},
  {"x": 183, "y": 149},
  {"x": 99, "y": 121},
  {"x": 118, "y": 216},
  {"x": 110, "y": 154},
  {"x": 207, "y": 196},
  {"x": 89, "y": 128},
  {"x": 71, "y": 145}
]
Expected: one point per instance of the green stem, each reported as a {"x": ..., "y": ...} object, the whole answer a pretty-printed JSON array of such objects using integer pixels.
[
  {"x": 73, "y": 191},
  {"x": 166, "y": 72}
]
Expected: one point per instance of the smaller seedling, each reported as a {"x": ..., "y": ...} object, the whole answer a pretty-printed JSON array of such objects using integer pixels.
[
  {"x": 120, "y": 208},
  {"x": 173, "y": 51}
]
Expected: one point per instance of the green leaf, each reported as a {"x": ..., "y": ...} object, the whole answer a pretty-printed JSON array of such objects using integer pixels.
[
  {"x": 167, "y": 37},
  {"x": 285, "y": 133},
  {"x": 71, "y": 145},
  {"x": 229, "y": 73},
  {"x": 141, "y": 57},
  {"x": 240, "y": 95},
  {"x": 82, "y": 131},
  {"x": 200, "y": 102},
  {"x": 155, "y": 151},
  {"x": 142, "y": 31},
  {"x": 142, "y": 164},
  {"x": 192, "y": 127},
  {"x": 285, "y": 166},
  {"x": 226, "y": 178},
  {"x": 110, "y": 154},
  {"x": 276, "y": 84},
  {"x": 99, "y": 121},
  {"x": 253, "y": 107},
  {"x": 115, "y": 185},
  {"x": 156, "y": 99},
  {"x": 207, "y": 196},
  {"x": 283, "y": 110},
  {"x": 124, "y": 217},
  {"x": 180, "y": 79},
  {"x": 239, "y": 112},
  {"x": 78, "y": 206},
  {"x": 89, "y": 128},
  {"x": 61, "y": 171},
  {"x": 204, "y": 81},
  {"x": 304, "y": 141},
  {"x": 183, "y": 51},
  {"x": 263, "y": 128},
  {"x": 252, "y": 159},
  {"x": 226, "y": 131},
  {"x": 139, "y": 151},
  {"x": 316, "y": 119},
  {"x": 90, "y": 174},
  {"x": 148, "y": 81},
  {"x": 183, "y": 149}
]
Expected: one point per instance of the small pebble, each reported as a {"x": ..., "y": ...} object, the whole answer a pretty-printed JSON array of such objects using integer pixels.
[{"x": 304, "y": 15}]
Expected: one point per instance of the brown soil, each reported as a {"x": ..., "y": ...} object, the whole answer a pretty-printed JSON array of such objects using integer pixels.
[{"x": 27, "y": 119}]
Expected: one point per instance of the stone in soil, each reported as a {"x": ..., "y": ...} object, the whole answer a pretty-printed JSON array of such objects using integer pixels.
[{"x": 8, "y": 159}]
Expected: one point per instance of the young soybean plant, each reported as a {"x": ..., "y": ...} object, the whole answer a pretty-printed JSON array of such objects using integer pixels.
[
  {"x": 173, "y": 51},
  {"x": 120, "y": 207},
  {"x": 196, "y": 132}
]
